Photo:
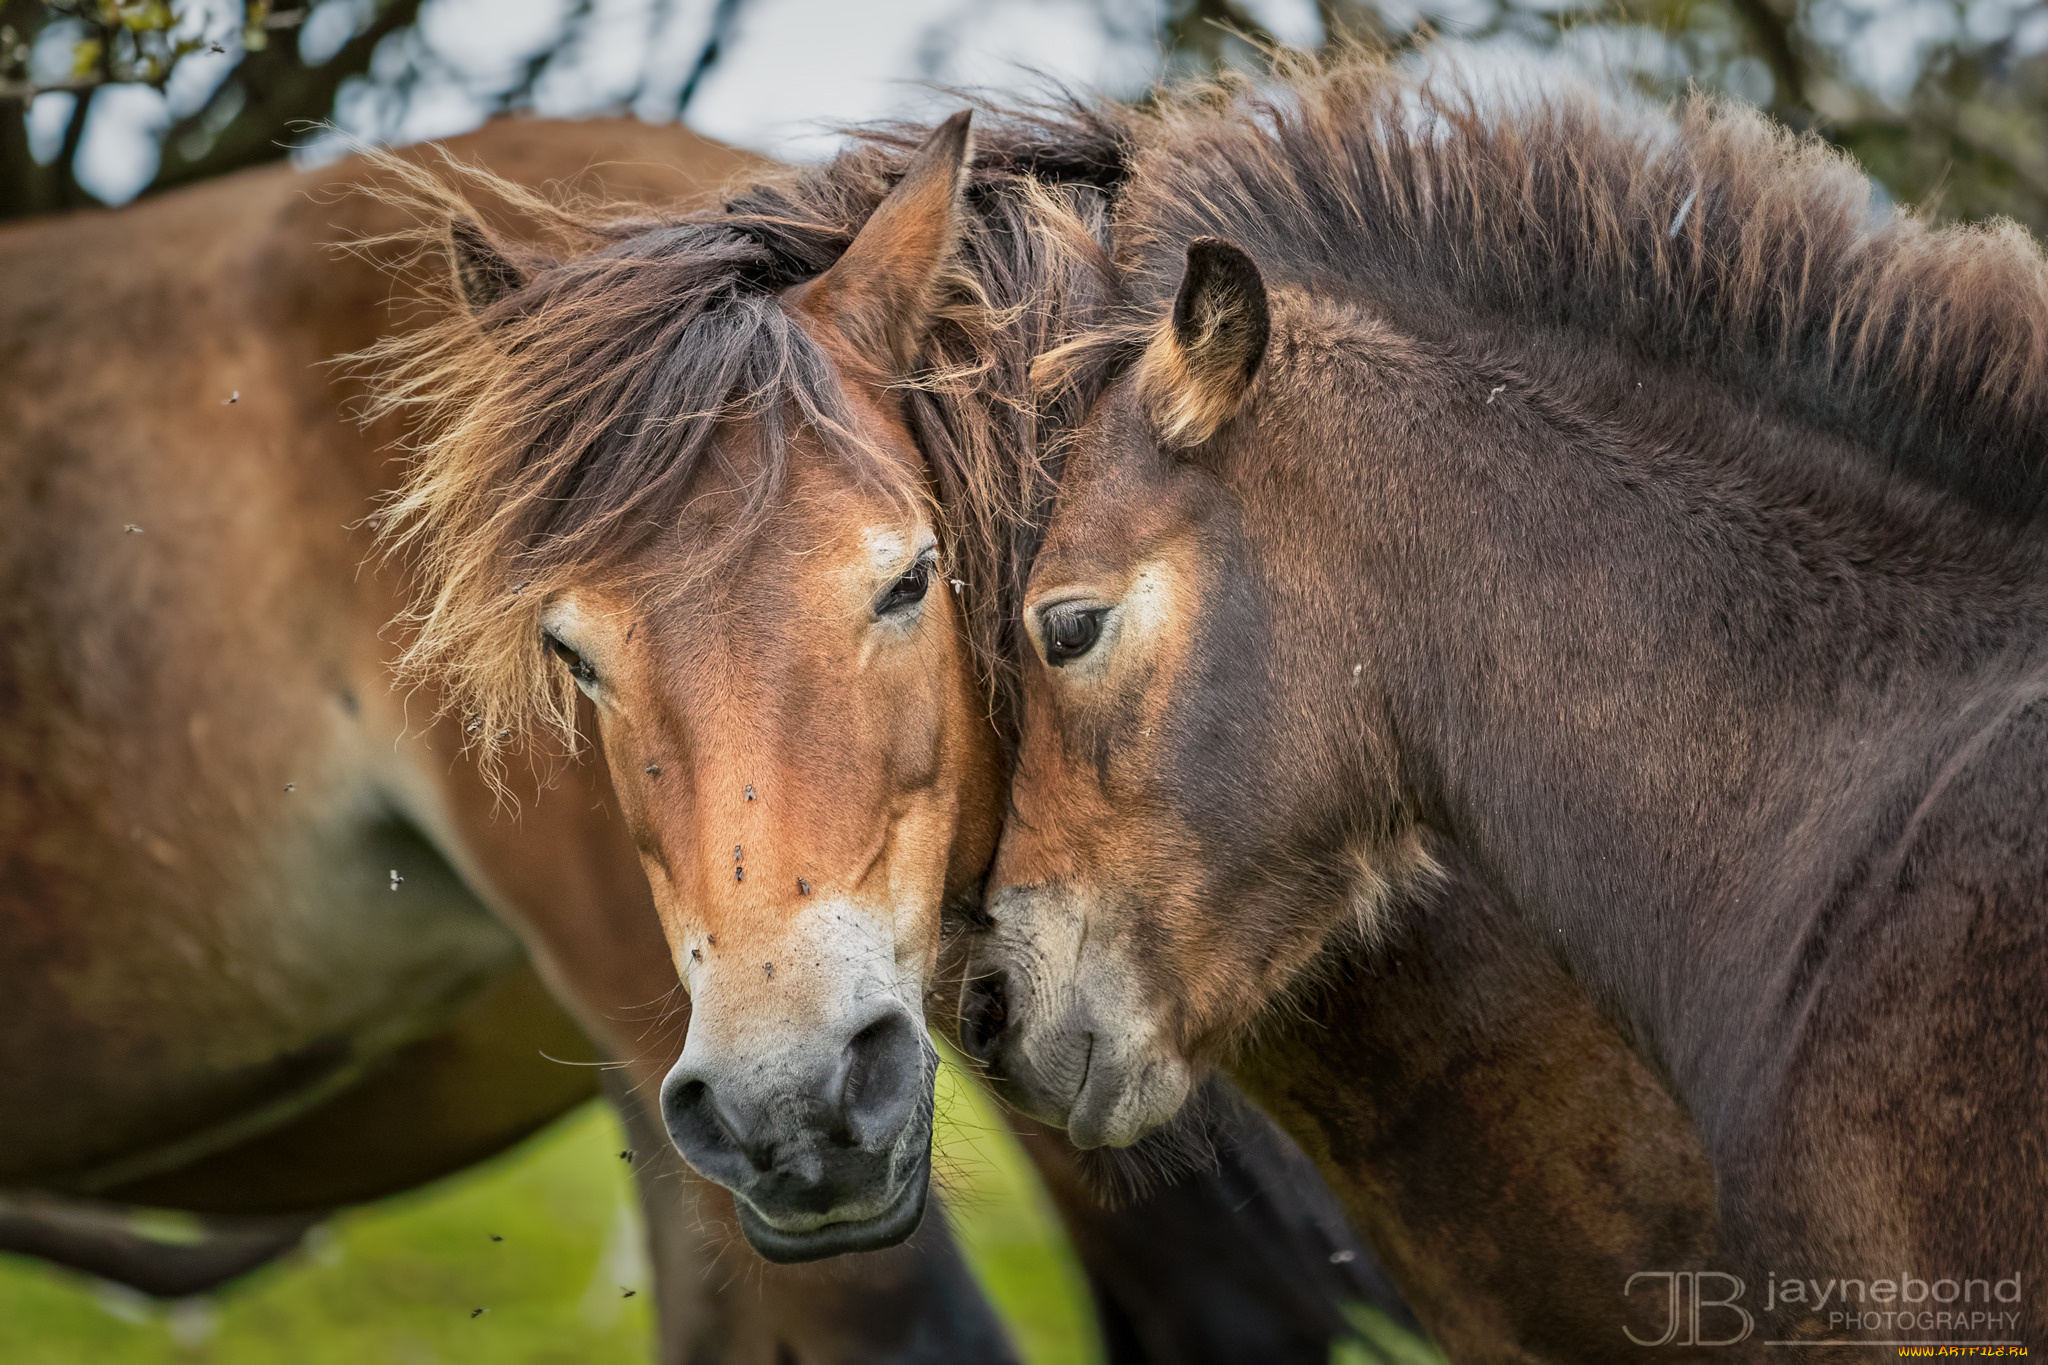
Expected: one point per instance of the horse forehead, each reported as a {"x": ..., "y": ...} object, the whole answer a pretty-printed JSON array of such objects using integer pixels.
[
  {"x": 826, "y": 525},
  {"x": 801, "y": 595},
  {"x": 824, "y": 563},
  {"x": 1116, "y": 462},
  {"x": 828, "y": 499},
  {"x": 1110, "y": 521},
  {"x": 887, "y": 545}
]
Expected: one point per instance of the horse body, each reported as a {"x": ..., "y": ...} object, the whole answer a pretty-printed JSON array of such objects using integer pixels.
[
  {"x": 1511, "y": 1161},
  {"x": 1678, "y": 571},
  {"x": 205, "y": 816}
]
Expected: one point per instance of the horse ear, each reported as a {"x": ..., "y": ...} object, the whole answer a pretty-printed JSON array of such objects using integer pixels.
[
  {"x": 484, "y": 273},
  {"x": 1197, "y": 370},
  {"x": 880, "y": 295}
]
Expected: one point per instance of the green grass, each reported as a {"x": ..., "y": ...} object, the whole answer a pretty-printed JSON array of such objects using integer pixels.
[
  {"x": 1008, "y": 1230},
  {"x": 395, "y": 1283}
]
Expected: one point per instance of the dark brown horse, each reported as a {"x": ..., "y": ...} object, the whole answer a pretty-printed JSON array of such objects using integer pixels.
[
  {"x": 1617, "y": 509},
  {"x": 267, "y": 933}
]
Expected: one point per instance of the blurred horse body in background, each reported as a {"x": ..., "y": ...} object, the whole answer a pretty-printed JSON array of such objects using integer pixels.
[{"x": 271, "y": 944}]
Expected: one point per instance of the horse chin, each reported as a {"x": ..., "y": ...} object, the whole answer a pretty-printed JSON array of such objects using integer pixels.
[
  {"x": 1120, "y": 1100},
  {"x": 884, "y": 1229}
]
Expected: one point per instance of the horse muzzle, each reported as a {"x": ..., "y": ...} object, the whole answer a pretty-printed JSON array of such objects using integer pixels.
[
  {"x": 827, "y": 1149},
  {"x": 1068, "y": 1041}
]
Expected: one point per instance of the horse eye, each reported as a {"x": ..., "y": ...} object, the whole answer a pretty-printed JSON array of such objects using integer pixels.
[
  {"x": 1070, "y": 634},
  {"x": 908, "y": 590},
  {"x": 579, "y": 668}
]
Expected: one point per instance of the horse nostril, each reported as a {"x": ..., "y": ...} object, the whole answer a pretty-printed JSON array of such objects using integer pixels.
[
  {"x": 984, "y": 1014},
  {"x": 703, "y": 1135},
  {"x": 884, "y": 1078}
]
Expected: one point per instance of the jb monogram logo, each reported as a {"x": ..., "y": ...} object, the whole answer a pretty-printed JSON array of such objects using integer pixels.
[{"x": 1686, "y": 1304}]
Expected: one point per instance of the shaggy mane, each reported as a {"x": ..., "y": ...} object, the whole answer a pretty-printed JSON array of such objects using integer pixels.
[
  {"x": 559, "y": 430},
  {"x": 1712, "y": 239}
]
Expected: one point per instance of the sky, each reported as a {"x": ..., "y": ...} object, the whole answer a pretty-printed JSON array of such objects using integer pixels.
[
  {"x": 792, "y": 70},
  {"x": 795, "y": 69}
]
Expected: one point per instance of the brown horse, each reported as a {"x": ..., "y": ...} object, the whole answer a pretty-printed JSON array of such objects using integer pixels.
[
  {"x": 642, "y": 485},
  {"x": 265, "y": 937},
  {"x": 1614, "y": 508},
  {"x": 226, "y": 1000}
]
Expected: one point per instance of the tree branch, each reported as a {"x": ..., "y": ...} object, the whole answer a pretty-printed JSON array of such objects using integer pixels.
[
  {"x": 26, "y": 91},
  {"x": 1202, "y": 29},
  {"x": 1773, "y": 34},
  {"x": 2030, "y": 180},
  {"x": 722, "y": 21},
  {"x": 280, "y": 93}
]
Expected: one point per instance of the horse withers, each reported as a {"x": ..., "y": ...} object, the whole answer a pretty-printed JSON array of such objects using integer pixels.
[{"x": 1617, "y": 509}]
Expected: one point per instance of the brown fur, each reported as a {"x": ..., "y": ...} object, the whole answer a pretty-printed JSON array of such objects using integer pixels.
[
  {"x": 1621, "y": 512},
  {"x": 1509, "y": 1158}
]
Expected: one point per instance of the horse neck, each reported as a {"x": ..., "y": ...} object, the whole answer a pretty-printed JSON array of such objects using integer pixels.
[
  {"x": 1667, "y": 680},
  {"x": 1463, "y": 1025}
]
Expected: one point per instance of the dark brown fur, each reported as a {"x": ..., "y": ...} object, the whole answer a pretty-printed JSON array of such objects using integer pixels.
[
  {"x": 1624, "y": 512},
  {"x": 1509, "y": 1158}
]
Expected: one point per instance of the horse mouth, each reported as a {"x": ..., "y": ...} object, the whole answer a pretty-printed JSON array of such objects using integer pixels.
[
  {"x": 1085, "y": 1121},
  {"x": 1133, "y": 1092},
  {"x": 885, "y": 1229},
  {"x": 1034, "y": 1086}
]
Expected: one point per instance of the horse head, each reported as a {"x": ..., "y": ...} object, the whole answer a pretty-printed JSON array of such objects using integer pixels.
[
  {"x": 668, "y": 491},
  {"x": 1200, "y": 805}
]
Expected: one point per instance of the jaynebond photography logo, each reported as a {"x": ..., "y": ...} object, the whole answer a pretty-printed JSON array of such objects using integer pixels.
[{"x": 1712, "y": 1308}]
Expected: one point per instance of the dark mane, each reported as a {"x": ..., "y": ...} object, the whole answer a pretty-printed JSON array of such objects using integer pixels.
[
  {"x": 1713, "y": 239},
  {"x": 555, "y": 431}
]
